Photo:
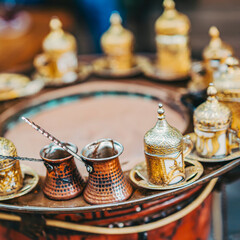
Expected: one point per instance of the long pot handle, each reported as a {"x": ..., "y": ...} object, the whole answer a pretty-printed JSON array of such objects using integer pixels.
[{"x": 57, "y": 142}]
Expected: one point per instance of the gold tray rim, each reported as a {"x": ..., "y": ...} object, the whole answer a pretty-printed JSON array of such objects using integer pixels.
[
  {"x": 199, "y": 171},
  {"x": 27, "y": 187}
]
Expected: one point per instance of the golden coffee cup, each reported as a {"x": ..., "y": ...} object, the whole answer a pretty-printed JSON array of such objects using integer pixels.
[
  {"x": 165, "y": 149},
  {"x": 172, "y": 41},
  {"x": 117, "y": 44},
  {"x": 212, "y": 126},
  {"x": 11, "y": 179},
  {"x": 59, "y": 57}
]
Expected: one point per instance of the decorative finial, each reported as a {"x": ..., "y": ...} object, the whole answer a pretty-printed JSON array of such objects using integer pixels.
[
  {"x": 115, "y": 18},
  {"x": 55, "y": 23},
  {"x": 232, "y": 61},
  {"x": 213, "y": 32},
  {"x": 211, "y": 91},
  {"x": 169, "y": 4},
  {"x": 161, "y": 111}
]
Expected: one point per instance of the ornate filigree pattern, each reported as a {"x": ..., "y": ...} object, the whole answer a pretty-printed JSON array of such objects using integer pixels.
[
  {"x": 206, "y": 141},
  {"x": 212, "y": 115},
  {"x": 160, "y": 169},
  {"x": 10, "y": 173}
]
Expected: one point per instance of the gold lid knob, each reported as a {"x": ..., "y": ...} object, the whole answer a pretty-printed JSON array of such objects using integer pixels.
[
  {"x": 211, "y": 91},
  {"x": 161, "y": 111},
  {"x": 55, "y": 24},
  {"x": 213, "y": 32},
  {"x": 115, "y": 19},
  {"x": 168, "y": 4}
]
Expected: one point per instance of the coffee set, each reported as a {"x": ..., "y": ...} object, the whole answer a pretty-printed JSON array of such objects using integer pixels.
[{"x": 171, "y": 159}]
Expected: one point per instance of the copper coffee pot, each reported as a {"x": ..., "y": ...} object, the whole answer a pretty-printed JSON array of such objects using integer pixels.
[
  {"x": 106, "y": 181},
  {"x": 63, "y": 180},
  {"x": 106, "y": 184}
]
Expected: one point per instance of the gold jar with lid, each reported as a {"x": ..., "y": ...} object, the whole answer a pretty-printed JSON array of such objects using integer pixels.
[
  {"x": 59, "y": 57},
  {"x": 11, "y": 179},
  {"x": 117, "y": 44},
  {"x": 227, "y": 82},
  {"x": 165, "y": 149},
  {"x": 215, "y": 53},
  {"x": 173, "y": 52},
  {"x": 212, "y": 122}
]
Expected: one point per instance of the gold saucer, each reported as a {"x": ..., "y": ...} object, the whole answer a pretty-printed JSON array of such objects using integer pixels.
[
  {"x": 101, "y": 68},
  {"x": 139, "y": 176},
  {"x": 14, "y": 86},
  {"x": 150, "y": 70},
  {"x": 193, "y": 155},
  {"x": 30, "y": 181},
  {"x": 83, "y": 72}
]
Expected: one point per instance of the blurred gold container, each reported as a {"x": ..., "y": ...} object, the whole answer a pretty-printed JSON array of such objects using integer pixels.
[
  {"x": 228, "y": 85},
  {"x": 214, "y": 54},
  {"x": 11, "y": 179},
  {"x": 173, "y": 52},
  {"x": 117, "y": 44},
  {"x": 212, "y": 126},
  {"x": 59, "y": 57},
  {"x": 165, "y": 149}
]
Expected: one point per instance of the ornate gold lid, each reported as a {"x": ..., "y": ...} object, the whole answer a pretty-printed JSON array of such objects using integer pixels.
[
  {"x": 212, "y": 115},
  {"x": 7, "y": 148},
  {"x": 227, "y": 80},
  {"x": 162, "y": 138},
  {"x": 216, "y": 49},
  {"x": 116, "y": 36},
  {"x": 172, "y": 22},
  {"x": 58, "y": 40}
]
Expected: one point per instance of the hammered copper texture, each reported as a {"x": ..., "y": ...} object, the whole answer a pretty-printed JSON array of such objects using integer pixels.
[
  {"x": 107, "y": 183},
  {"x": 63, "y": 180}
]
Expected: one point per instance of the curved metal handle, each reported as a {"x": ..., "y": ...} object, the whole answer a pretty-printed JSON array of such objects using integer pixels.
[
  {"x": 42, "y": 64},
  {"x": 234, "y": 140},
  {"x": 187, "y": 145}
]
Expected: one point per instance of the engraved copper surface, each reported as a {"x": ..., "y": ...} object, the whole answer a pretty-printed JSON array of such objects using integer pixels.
[{"x": 63, "y": 180}]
